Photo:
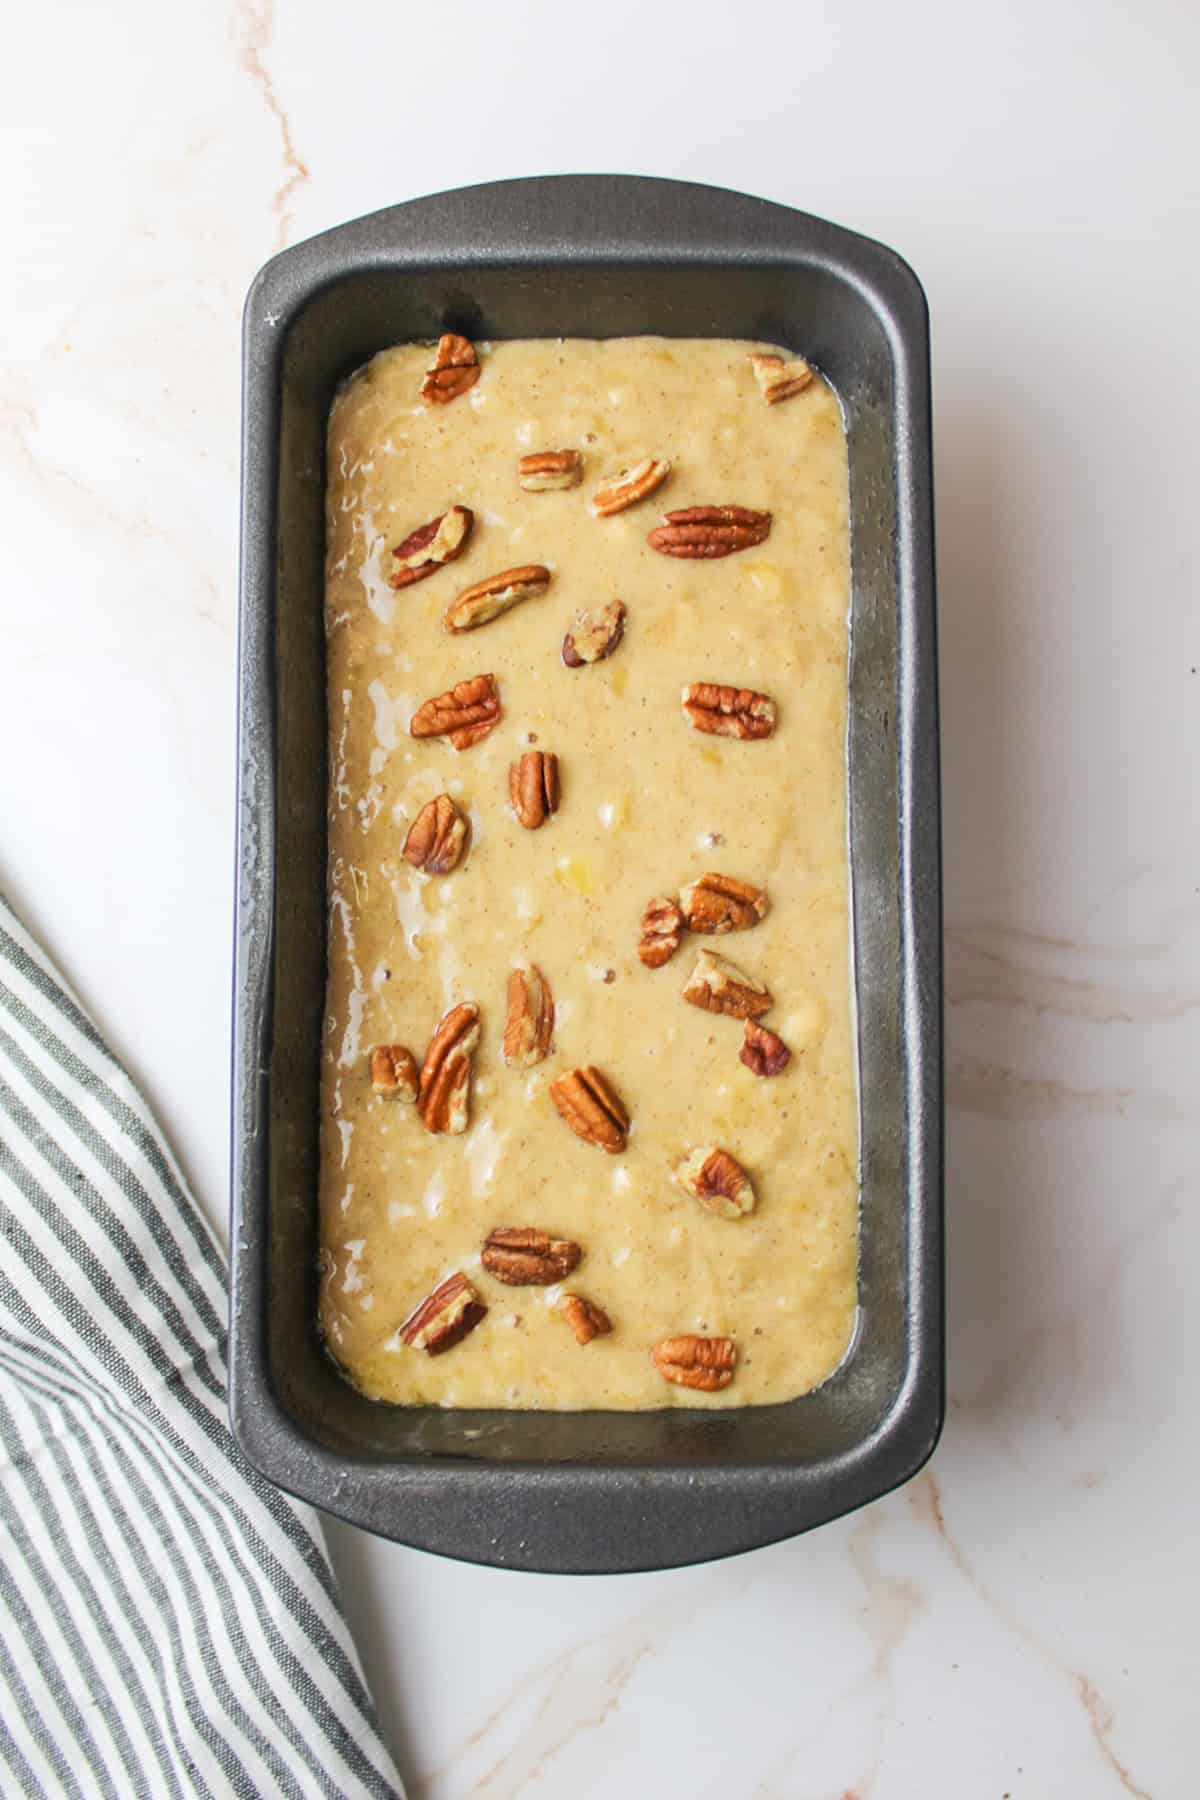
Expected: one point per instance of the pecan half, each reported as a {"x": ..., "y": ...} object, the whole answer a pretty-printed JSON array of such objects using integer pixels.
[
  {"x": 662, "y": 924},
  {"x": 595, "y": 634},
  {"x": 593, "y": 1109},
  {"x": 495, "y": 594},
  {"x": 779, "y": 380},
  {"x": 728, "y": 711},
  {"x": 696, "y": 1362},
  {"x": 523, "y": 1257},
  {"x": 762, "y": 1052},
  {"x": 431, "y": 546},
  {"x": 455, "y": 369},
  {"x": 394, "y": 1072},
  {"x": 464, "y": 713},
  {"x": 534, "y": 788},
  {"x": 630, "y": 486},
  {"x": 586, "y": 1319},
  {"x": 437, "y": 837},
  {"x": 444, "y": 1098},
  {"x": 717, "y": 903},
  {"x": 530, "y": 1021},
  {"x": 444, "y": 1318},
  {"x": 547, "y": 470},
  {"x": 717, "y": 986},
  {"x": 706, "y": 531},
  {"x": 716, "y": 1179}
]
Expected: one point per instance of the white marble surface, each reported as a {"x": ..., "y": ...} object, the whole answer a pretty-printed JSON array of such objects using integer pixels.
[{"x": 1021, "y": 1620}]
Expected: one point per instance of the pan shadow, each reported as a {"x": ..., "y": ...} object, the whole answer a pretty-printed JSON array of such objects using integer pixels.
[{"x": 978, "y": 591}]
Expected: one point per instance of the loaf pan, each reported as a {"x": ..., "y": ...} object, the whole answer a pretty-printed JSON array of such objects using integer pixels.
[{"x": 586, "y": 256}]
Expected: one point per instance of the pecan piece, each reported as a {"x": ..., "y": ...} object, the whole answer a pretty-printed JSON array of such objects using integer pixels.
[
  {"x": 706, "y": 531},
  {"x": 394, "y": 1072},
  {"x": 630, "y": 486},
  {"x": 728, "y": 711},
  {"x": 762, "y": 1052},
  {"x": 779, "y": 380},
  {"x": 530, "y": 1021},
  {"x": 445, "y": 1317},
  {"x": 591, "y": 1106},
  {"x": 717, "y": 903},
  {"x": 495, "y": 594},
  {"x": 696, "y": 1362},
  {"x": 534, "y": 788},
  {"x": 464, "y": 713},
  {"x": 716, "y": 1179},
  {"x": 523, "y": 1257},
  {"x": 595, "y": 634},
  {"x": 455, "y": 369},
  {"x": 662, "y": 924},
  {"x": 586, "y": 1319},
  {"x": 547, "y": 470},
  {"x": 431, "y": 546},
  {"x": 717, "y": 986},
  {"x": 437, "y": 837},
  {"x": 444, "y": 1096}
]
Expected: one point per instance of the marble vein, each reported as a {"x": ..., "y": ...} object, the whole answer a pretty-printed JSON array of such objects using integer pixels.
[
  {"x": 891, "y": 1604},
  {"x": 253, "y": 24},
  {"x": 891, "y": 1607},
  {"x": 982, "y": 972},
  {"x": 974, "y": 1084},
  {"x": 925, "y": 1501},
  {"x": 576, "y": 1698},
  {"x": 19, "y": 424},
  {"x": 1100, "y": 1718}
]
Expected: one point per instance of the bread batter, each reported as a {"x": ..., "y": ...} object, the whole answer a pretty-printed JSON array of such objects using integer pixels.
[{"x": 643, "y": 802}]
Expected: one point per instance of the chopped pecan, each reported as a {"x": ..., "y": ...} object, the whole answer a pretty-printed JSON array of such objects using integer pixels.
[
  {"x": 431, "y": 546},
  {"x": 534, "y": 788},
  {"x": 495, "y": 594},
  {"x": 728, "y": 711},
  {"x": 696, "y": 1362},
  {"x": 455, "y": 369},
  {"x": 717, "y": 903},
  {"x": 523, "y": 1257},
  {"x": 445, "y": 1317},
  {"x": 530, "y": 1022},
  {"x": 464, "y": 713},
  {"x": 662, "y": 924},
  {"x": 595, "y": 635},
  {"x": 716, "y": 1179},
  {"x": 445, "y": 1085},
  {"x": 779, "y": 380},
  {"x": 706, "y": 531},
  {"x": 437, "y": 837},
  {"x": 763, "y": 1052},
  {"x": 546, "y": 470},
  {"x": 586, "y": 1319},
  {"x": 591, "y": 1106},
  {"x": 394, "y": 1072},
  {"x": 630, "y": 486},
  {"x": 716, "y": 986}
]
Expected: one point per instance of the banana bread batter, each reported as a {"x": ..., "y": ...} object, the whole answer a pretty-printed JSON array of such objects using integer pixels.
[{"x": 667, "y": 702}]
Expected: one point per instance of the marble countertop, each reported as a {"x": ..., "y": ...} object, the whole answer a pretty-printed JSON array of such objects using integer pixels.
[{"x": 1021, "y": 1620}]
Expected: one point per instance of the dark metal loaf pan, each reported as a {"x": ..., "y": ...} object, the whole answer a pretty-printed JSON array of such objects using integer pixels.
[{"x": 586, "y": 256}]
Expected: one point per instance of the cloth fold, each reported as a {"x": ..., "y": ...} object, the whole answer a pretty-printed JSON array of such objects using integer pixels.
[{"x": 169, "y": 1621}]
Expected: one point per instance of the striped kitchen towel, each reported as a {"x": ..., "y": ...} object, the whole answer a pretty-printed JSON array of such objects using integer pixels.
[{"x": 169, "y": 1622}]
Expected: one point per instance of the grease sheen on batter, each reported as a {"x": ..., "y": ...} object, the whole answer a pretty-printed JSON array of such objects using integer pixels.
[{"x": 647, "y": 805}]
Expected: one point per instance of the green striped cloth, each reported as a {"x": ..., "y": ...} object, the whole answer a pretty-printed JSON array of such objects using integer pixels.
[{"x": 169, "y": 1622}]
